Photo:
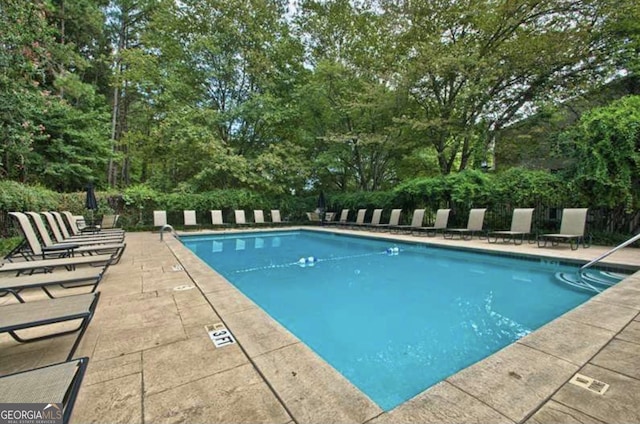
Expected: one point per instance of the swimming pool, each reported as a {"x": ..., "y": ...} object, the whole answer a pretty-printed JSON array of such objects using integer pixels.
[{"x": 393, "y": 323}]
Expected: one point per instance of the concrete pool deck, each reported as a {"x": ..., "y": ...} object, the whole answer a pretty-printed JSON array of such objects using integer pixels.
[{"x": 152, "y": 361}]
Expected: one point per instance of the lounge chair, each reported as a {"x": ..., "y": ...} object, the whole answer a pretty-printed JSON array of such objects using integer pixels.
[
  {"x": 275, "y": 217},
  {"x": 51, "y": 385},
  {"x": 571, "y": 230},
  {"x": 69, "y": 234},
  {"x": 240, "y": 217},
  {"x": 109, "y": 222},
  {"x": 258, "y": 217},
  {"x": 394, "y": 220},
  {"x": 76, "y": 231},
  {"x": 61, "y": 234},
  {"x": 20, "y": 316},
  {"x": 216, "y": 218},
  {"x": 313, "y": 216},
  {"x": 80, "y": 278},
  {"x": 50, "y": 250},
  {"x": 190, "y": 219},
  {"x": 474, "y": 226},
  {"x": 159, "y": 218},
  {"x": 344, "y": 216},
  {"x": 416, "y": 221},
  {"x": 359, "y": 219},
  {"x": 520, "y": 227},
  {"x": 37, "y": 220},
  {"x": 47, "y": 265},
  {"x": 375, "y": 219},
  {"x": 442, "y": 220}
]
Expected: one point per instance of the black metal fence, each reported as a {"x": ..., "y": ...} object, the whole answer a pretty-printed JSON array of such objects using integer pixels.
[{"x": 606, "y": 226}]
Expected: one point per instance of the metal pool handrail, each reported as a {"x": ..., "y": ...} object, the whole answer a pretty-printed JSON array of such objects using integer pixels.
[
  {"x": 615, "y": 249},
  {"x": 164, "y": 227}
]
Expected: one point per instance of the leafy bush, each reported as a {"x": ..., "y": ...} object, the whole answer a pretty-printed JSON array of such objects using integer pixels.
[
  {"x": 19, "y": 197},
  {"x": 607, "y": 141},
  {"x": 523, "y": 188}
]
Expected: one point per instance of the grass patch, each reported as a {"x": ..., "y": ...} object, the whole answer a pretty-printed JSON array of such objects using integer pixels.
[{"x": 6, "y": 244}]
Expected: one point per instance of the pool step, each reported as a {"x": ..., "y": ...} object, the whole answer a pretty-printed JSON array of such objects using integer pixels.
[{"x": 591, "y": 280}]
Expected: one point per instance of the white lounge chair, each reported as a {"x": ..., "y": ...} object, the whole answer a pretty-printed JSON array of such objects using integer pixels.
[
  {"x": 159, "y": 218},
  {"x": 216, "y": 218},
  {"x": 240, "y": 217},
  {"x": 190, "y": 219},
  {"x": 275, "y": 217}
]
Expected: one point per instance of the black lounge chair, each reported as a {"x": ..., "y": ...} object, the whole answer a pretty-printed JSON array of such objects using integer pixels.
[{"x": 51, "y": 385}]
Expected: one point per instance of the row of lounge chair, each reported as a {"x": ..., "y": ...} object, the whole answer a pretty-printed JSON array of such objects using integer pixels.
[
  {"x": 572, "y": 227},
  {"x": 55, "y": 253},
  {"x": 190, "y": 219}
]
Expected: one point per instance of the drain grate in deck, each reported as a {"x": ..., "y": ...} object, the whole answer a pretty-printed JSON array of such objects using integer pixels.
[{"x": 591, "y": 384}]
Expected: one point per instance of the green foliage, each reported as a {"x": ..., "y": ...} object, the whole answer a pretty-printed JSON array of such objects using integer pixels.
[
  {"x": 359, "y": 200},
  {"x": 523, "y": 188},
  {"x": 471, "y": 66},
  {"x": 8, "y": 243},
  {"x": 469, "y": 187},
  {"x": 516, "y": 187},
  {"x": 54, "y": 127},
  {"x": 607, "y": 142},
  {"x": 19, "y": 197}
]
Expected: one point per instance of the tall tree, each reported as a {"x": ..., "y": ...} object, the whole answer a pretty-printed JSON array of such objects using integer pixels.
[
  {"x": 229, "y": 66},
  {"x": 126, "y": 21},
  {"x": 350, "y": 101},
  {"x": 51, "y": 121},
  {"x": 473, "y": 66}
]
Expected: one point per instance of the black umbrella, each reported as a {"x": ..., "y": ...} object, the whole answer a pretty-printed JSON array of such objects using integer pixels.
[{"x": 91, "y": 203}]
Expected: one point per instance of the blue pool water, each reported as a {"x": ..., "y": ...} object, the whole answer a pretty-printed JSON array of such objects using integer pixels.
[{"x": 393, "y": 324}]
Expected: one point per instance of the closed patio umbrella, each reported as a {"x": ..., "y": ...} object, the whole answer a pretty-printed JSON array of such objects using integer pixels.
[{"x": 91, "y": 203}]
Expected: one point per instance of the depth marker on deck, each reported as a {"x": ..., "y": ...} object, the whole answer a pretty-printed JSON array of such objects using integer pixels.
[{"x": 219, "y": 335}]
